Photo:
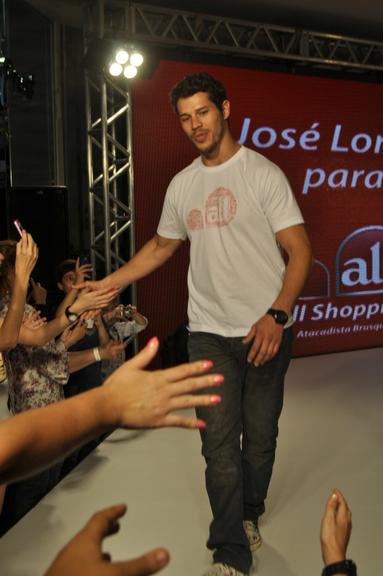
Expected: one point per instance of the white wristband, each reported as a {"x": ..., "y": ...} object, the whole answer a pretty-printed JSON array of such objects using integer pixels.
[{"x": 96, "y": 354}]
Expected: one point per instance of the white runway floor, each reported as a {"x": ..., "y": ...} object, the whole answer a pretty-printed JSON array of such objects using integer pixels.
[{"x": 331, "y": 435}]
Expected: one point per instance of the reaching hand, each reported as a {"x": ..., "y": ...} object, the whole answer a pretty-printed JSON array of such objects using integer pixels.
[
  {"x": 27, "y": 253},
  {"x": 114, "y": 313},
  {"x": 73, "y": 333},
  {"x": 335, "y": 529},
  {"x": 111, "y": 349},
  {"x": 83, "y": 554},
  {"x": 39, "y": 292},
  {"x": 93, "y": 299},
  {"x": 267, "y": 336},
  {"x": 141, "y": 399},
  {"x": 33, "y": 321},
  {"x": 82, "y": 272},
  {"x": 92, "y": 284}
]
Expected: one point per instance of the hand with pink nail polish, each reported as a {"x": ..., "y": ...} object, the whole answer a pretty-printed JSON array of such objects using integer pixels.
[{"x": 137, "y": 398}]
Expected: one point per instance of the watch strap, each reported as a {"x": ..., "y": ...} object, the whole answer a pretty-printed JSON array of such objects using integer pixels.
[
  {"x": 72, "y": 316},
  {"x": 347, "y": 567}
]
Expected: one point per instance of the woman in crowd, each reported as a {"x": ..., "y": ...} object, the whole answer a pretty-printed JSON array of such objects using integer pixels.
[
  {"x": 37, "y": 368},
  {"x": 26, "y": 258}
]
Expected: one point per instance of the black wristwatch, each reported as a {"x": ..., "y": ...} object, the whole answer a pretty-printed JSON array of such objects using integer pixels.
[
  {"x": 72, "y": 316},
  {"x": 280, "y": 316},
  {"x": 347, "y": 567}
]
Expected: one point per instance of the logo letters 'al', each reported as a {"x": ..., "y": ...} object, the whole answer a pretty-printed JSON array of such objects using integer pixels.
[{"x": 359, "y": 262}]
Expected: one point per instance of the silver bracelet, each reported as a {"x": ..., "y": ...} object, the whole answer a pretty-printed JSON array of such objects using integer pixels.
[{"x": 96, "y": 354}]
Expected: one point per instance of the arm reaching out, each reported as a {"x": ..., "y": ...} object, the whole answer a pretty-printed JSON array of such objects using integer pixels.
[
  {"x": 151, "y": 256},
  {"x": 130, "y": 398},
  {"x": 87, "y": 300}
]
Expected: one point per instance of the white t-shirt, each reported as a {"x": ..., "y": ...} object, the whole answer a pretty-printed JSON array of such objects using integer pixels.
[{"x": 230, "y": 213}]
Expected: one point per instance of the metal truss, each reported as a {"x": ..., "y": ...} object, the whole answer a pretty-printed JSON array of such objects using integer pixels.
[
  {"x": 109, "y": 156},
  {"x": 176, "y": 28},
  {"x": 110, "y": 174}
]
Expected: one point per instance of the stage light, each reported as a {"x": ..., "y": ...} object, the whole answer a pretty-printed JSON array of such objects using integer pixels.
[
  {"x": 115, "y": 69},
  {"x": 136, "y": 59},
  {"x": 130, "y": 71},
  {"x": 122, "y": 56},
  {"x": 126, "y": 60}
]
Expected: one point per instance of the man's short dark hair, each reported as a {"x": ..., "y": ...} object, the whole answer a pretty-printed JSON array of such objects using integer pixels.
[
  {"x": 199, "y": 82},
  {"x": 64, "y": 267}
]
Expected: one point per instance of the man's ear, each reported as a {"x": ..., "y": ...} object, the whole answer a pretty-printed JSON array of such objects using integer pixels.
[
  {"x": 60, "y": 286},
  {"x": 226, "y": 109}
]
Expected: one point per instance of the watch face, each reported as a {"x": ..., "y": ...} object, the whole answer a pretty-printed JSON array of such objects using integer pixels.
[
  {"x": 282, "y": 317},
  {"x": 279, "y": 316}
]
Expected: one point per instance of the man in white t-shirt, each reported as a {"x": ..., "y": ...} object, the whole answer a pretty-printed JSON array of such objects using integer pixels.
[{"x": 239, "y": 213}]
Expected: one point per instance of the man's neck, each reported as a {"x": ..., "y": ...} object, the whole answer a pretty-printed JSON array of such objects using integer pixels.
[{"x": 226, "y": 149}]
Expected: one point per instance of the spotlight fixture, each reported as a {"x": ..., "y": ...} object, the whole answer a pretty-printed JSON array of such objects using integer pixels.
[
  {"x": 136, "y": 59},
  {"x": 126, "y": 62},
  {"x": 122, "y": 56},
  {"x": 130, "y": 71},
  {"x": 115, "y": 69}
]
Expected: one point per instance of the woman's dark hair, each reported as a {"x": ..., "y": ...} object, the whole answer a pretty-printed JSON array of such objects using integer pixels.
[
  {"x": 199, "y": 82},
  {"x": 8, "y": 250}
]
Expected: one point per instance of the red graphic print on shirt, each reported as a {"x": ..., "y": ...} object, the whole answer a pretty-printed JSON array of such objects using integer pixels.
[
  {"x": 220, "y": 209},
  {"x": 195, "y": 220}
]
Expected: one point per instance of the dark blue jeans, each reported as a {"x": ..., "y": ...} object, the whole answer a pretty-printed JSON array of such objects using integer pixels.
[{"x": 238, "y": 473}]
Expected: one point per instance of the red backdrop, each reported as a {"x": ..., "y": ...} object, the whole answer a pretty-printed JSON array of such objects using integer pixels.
[{"x": 327, "y": 135}]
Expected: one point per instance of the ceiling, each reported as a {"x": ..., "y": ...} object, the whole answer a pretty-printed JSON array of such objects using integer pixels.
[{"x": 355, "y": 18}]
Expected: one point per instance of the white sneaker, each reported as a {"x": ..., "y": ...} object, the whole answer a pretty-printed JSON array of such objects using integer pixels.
[
  {"x": 219, "y": 569},
  {"x": 253, "y": 535}
]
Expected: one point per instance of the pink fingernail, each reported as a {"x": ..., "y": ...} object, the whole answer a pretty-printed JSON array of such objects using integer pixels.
[
  {"x": 201, "y": 424},
  {"x": 152, "y": 342},
  {"x": 215, "y": 399},
  {"x": 218, "y": 378},
  {"x": 207, "y": 364}
]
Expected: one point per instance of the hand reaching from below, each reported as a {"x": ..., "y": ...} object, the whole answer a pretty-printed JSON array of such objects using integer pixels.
[
  {"x": 83, "y": 554},
  {"x": 335, "y": 528}
]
